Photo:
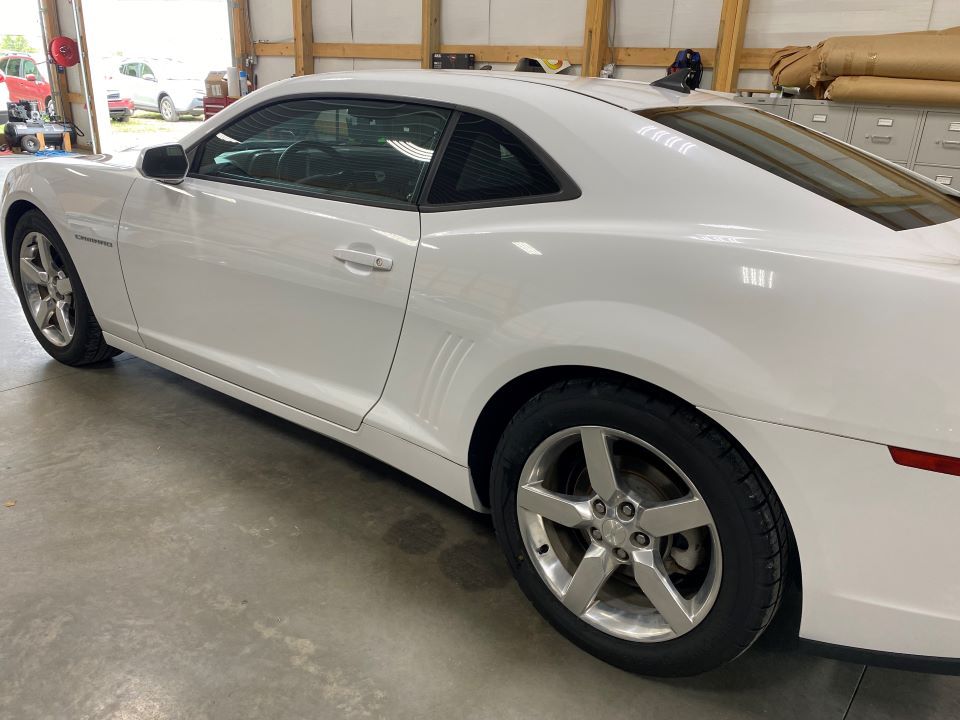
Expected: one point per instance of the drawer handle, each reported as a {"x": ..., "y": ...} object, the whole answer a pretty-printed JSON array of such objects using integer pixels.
[
  {"x": 879, "y": 138},
  {"x": 950, "y": 143}
]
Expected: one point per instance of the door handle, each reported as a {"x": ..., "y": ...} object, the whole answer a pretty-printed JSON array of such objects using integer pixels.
[{"x": 370, "y": 260}]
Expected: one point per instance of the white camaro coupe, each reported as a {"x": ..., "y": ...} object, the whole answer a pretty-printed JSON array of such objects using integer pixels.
[{"x": 685, "y": 352}]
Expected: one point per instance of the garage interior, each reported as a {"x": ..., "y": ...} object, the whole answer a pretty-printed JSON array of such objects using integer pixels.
[{"x": 170, "y": 552}]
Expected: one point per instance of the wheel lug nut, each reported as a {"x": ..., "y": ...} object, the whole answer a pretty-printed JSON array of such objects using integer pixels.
[
  {"x": 640, "y": 539},
  {"x": 626, "y": 510},
  {"x": 599, "y": 508},
  {"x": 595, "y": 534},
  {"x": 621, "y": 554}
]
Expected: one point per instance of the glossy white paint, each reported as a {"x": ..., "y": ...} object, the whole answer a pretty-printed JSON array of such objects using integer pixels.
[
  {"x": 749, "y": 298},
  {"x": 260, "y": 298}
]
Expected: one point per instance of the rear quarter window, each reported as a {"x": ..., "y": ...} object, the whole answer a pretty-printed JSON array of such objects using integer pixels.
[{"x": 834, "y": 170}]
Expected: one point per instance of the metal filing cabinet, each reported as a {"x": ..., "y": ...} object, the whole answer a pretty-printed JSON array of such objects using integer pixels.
[
  {"x": 924, "y": 140},
  {"x": 831, "y": 119},
  {"x": 886, "y": 131},
  {"x": 773, "y": 105},
  {"x": 943, "y": 175},
  {"x": 940, "y": 139}
]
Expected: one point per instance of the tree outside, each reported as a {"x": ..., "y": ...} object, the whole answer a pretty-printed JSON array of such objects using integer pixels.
[{"x": 16, "y": 43}]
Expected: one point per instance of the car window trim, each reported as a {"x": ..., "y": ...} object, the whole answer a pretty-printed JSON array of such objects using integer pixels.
[
  {"x": 569, "y": 190},
  {"x": 194, "y": 152}
]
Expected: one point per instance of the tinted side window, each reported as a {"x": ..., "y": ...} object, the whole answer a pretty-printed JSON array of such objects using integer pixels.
[
  {"x": 29, "y": 68},
  {"x": 485, "y": 161},
  {"x": 13, "y": 67},
  {"x": 836, "y": 171},
  {"x": 354, "y": 149}
]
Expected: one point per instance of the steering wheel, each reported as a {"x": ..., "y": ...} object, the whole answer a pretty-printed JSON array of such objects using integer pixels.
[{"x": 285, "y": 169}]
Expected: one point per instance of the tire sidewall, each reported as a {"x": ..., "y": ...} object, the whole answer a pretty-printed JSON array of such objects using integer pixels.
[
  {"x": 719, "y": 637},
  {"x": 75, "y": 350}
]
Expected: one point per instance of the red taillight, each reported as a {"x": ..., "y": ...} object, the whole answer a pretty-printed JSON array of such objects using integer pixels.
[{"x": 926, "y": 461}]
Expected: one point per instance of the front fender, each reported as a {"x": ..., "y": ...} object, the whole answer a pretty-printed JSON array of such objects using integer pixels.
[{"x": 83, "y": 199}]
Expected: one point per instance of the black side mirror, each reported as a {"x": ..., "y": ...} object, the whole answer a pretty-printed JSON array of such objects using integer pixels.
[{"x": 166, "y": 163}]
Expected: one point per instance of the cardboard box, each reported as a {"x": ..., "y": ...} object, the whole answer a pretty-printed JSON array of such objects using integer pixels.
[{"x": 215, "y": 86}]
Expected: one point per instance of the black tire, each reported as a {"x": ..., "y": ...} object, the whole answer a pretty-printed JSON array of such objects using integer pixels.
[
  {"x": 30, "y": 144},
  {"x": 168, "y": 111},
  {"x": 747, "y": 514},
  {"x": 87, "y": 345}
]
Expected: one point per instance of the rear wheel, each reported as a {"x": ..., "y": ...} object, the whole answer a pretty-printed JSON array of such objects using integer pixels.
[
  {"x": 30, "y": 143},
  {"x": 168, "y": 111},
  {"x": 638, "y": 528},
  {"x": 52, "y": 296}
]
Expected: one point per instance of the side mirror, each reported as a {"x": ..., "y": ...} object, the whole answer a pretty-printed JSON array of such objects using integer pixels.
[
  {"x": 151, "y": 78},
  {"x": 166, "y": 163},
  {"x": 31, "y": 78}
]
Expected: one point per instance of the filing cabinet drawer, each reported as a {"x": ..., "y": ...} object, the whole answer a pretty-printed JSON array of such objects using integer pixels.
[
  {"x": 940, "y": 141},
  {"x": 942, "y": 175},
  {"x": 887, "y": 132},
  {"x": 828, "y": 118}
]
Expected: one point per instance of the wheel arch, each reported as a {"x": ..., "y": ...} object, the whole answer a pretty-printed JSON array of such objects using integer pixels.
[
  {"x": 17, "y": 210},
  {"x": 508, "y": 399}
]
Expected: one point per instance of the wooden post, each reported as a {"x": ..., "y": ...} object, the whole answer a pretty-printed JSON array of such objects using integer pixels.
[
  {"x": 733, "y": 24},
  {"x": 303, "y": 37},
  {"x": 88, "y": 89},
  {"x": 240, "y": 34},
  {"x": 430, "y": 31},
  {"x": 596, "y": 46},
  {"x": 59, "y": 87}
]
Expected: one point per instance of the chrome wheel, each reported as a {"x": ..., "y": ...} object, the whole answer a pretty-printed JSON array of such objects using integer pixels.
[
  {"x": 47, "y": 289},
  {"x": 619, "y": 534},
  {"x": 167, "y": 110}
]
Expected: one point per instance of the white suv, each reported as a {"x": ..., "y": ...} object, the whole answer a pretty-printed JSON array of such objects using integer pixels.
[{"x": 165, "y": 86}]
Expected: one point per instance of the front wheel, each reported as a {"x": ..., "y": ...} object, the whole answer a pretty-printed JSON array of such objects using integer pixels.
[
  {"x": 168, "y": 111},
  {"x": 638, "y": 528},
  {"x": 52, "y": 296}
]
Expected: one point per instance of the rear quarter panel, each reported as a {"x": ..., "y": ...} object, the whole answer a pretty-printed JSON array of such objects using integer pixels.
[{"x": 684, "y": 267}]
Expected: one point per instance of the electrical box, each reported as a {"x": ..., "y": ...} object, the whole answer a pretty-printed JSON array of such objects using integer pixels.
[{"x": 454, "y": 61}]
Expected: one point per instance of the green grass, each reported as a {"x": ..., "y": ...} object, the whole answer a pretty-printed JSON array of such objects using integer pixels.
[{"x": 146, "y": 122}]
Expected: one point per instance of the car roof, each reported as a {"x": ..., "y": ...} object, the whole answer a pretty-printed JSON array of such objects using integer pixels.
[{"x": 631, "y": 95}]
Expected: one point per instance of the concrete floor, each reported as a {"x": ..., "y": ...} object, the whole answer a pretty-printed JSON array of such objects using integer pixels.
[{"x": 173, "y": 553}]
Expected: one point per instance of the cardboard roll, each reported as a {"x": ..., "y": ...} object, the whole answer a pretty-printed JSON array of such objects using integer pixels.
[{"x": 64, "y": 51}]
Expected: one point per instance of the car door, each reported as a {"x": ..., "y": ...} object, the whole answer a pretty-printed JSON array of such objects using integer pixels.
[
  {"x": 283, "y": 262},
  {"x": 147, "y": 86},
  {"x": 36, "y": 88},
  {"x": 15, "y": 82}
]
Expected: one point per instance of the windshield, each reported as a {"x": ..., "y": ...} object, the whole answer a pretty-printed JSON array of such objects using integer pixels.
[{"x": 834, "y": 170}]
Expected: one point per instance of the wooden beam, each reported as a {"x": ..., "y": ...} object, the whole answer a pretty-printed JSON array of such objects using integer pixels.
[
  {"x": 374, "y": 51},
  {"x": 302, "y": 37},
  {"x": 733, "y": 24},
  {"x": 512, "y": 53},
  {"x": 750, "y": 58},
  {"x": 596, "y": 50},
  {"x": 59, "y": 86},
  {"x": 430, "y": 31},
  {"x": 88, "y": 88},
  {"x": 240, "y": 34}
]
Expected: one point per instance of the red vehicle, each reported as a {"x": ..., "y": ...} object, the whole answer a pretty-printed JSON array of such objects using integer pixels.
[
  {"x": 23, "y": 80},
  {"x": 120, "y": 108}
]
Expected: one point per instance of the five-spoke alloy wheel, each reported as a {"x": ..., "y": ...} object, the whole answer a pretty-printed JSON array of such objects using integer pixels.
[
  {"x": 51, "y": 294},
  {"x": 637, "y": 526},
  {"x": 47, "y": 289},
  {"x": 623, "y": 538}
]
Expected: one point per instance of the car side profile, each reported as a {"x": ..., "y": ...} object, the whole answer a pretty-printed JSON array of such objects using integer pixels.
[
  {"x": 672, "y": 402},
  {"x": 23, "y": 81},
  {"x": 165, "y": 86}
]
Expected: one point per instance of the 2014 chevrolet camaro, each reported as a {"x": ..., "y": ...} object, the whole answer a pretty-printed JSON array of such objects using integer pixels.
[{"x": 682, "y": 350}]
